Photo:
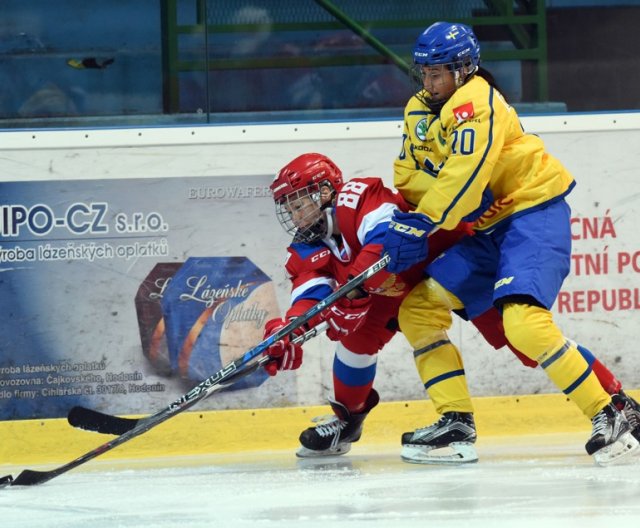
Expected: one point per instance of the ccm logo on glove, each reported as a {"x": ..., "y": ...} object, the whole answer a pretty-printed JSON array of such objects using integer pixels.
[
  {"x": 346, "y": 316},
  {"x": 406, "y": 240},
  {"x": 407, "y": 229}
]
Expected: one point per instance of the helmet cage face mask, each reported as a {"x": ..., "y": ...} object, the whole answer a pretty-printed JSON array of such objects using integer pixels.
[
  {"x": 449, "y": 45},
  {"x": 301, "y": 214},
  {"x": 462, "y": 71}
]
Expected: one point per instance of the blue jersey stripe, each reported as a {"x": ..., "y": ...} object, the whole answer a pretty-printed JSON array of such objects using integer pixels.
[
  {"x": 477, "y": 169},
  {"x": 316, "y": 293},
  {"x": 354, "y": 377},
  {"x": 306, "y": 250}
]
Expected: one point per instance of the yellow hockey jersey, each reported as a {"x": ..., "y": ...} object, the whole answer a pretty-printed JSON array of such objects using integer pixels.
[{"x": 447, "y": 161}]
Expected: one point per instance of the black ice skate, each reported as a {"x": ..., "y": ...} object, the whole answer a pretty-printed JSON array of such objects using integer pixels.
[
  {"x": 611, "y": 439},
  {"x": 334, "y": 434},
  {"x": 630, "y": 408},
  {"x": 448, "y": 441}
]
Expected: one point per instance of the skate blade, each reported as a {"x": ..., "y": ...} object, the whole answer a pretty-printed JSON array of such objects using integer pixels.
[
  {"x": 340, "y": 449},
  {"x": 455, "y": 453},
  {"x": 617, "y": 452}
]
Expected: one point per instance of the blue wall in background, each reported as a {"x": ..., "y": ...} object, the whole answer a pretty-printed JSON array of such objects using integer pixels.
[
  {"x": 38, "y": 37},
  {"x": 43, "y": 45}
]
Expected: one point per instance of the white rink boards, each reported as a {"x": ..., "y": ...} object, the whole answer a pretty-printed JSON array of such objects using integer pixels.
[{"x": 600, "y": 300}]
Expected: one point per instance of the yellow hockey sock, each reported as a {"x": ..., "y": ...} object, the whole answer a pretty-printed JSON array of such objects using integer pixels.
[
  {"x": 442, "y": 373},
  {"x": 424, "y": 319},
  {"x": 531, "y": 330}
]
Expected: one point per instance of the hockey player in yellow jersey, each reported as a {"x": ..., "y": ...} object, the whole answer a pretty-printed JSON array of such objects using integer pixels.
[{"x": 465, "y": 153}]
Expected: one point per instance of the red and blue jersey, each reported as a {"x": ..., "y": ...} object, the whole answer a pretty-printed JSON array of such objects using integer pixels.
[{"x": 363, "y": 209}]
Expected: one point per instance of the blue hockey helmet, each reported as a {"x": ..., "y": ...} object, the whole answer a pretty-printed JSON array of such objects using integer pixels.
[{"x": 447, "y": 43}]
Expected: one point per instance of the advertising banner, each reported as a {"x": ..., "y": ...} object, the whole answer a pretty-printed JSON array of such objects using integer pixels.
[
  {"x": 108, "y": 283},
  {"x": 121, "y": 295}
]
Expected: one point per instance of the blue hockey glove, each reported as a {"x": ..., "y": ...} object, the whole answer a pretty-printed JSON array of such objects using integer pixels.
[
  {"x": 485, "y": 203},
  {"x": 406, "y": 240}
]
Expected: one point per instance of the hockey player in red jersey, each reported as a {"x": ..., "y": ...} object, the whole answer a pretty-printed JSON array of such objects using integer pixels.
[{"x": 337, "y": 229}]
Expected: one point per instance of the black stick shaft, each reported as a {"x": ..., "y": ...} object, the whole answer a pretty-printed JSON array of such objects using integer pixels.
[
  {"x": 96, "y": 421},
  {"x": 30, "y": 477}
]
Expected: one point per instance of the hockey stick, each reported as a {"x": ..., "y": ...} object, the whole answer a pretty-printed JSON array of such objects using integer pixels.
[
  {"x": 30, "y": 477},
  {"x": 96, "y": 421}
]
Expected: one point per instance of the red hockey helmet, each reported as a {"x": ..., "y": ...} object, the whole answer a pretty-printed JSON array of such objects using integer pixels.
[
  {"x": 301, "y": 190},
  {"x": 305, "y": 170}
]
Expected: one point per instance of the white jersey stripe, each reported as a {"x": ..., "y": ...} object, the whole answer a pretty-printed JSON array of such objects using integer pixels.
[
  {"x": 354, "y": 360},
  {"x": 384, "y": 213},
  {"x": 297, "y": 292}
]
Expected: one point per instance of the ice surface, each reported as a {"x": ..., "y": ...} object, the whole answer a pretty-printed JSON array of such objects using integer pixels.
[{"x": 544, "y": 481}]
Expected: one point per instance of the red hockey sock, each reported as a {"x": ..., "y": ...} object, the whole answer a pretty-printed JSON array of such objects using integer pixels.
[
  {"x": 607, "y": 379},
  {"x": 353, "y": 397}
]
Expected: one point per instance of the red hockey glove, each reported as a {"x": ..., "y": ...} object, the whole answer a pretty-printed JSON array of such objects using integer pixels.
[
  {"x": 346, "y": 316},
  {"x": 285, "y": 354}
]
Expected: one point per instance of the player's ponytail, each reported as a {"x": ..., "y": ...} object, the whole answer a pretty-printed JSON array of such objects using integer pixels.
[{"x": 488, "y": 76}]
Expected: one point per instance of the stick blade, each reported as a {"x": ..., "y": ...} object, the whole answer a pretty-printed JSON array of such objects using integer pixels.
[
  {"x": 6, "y": 481},
  {"x": 29, "y": 477}
]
